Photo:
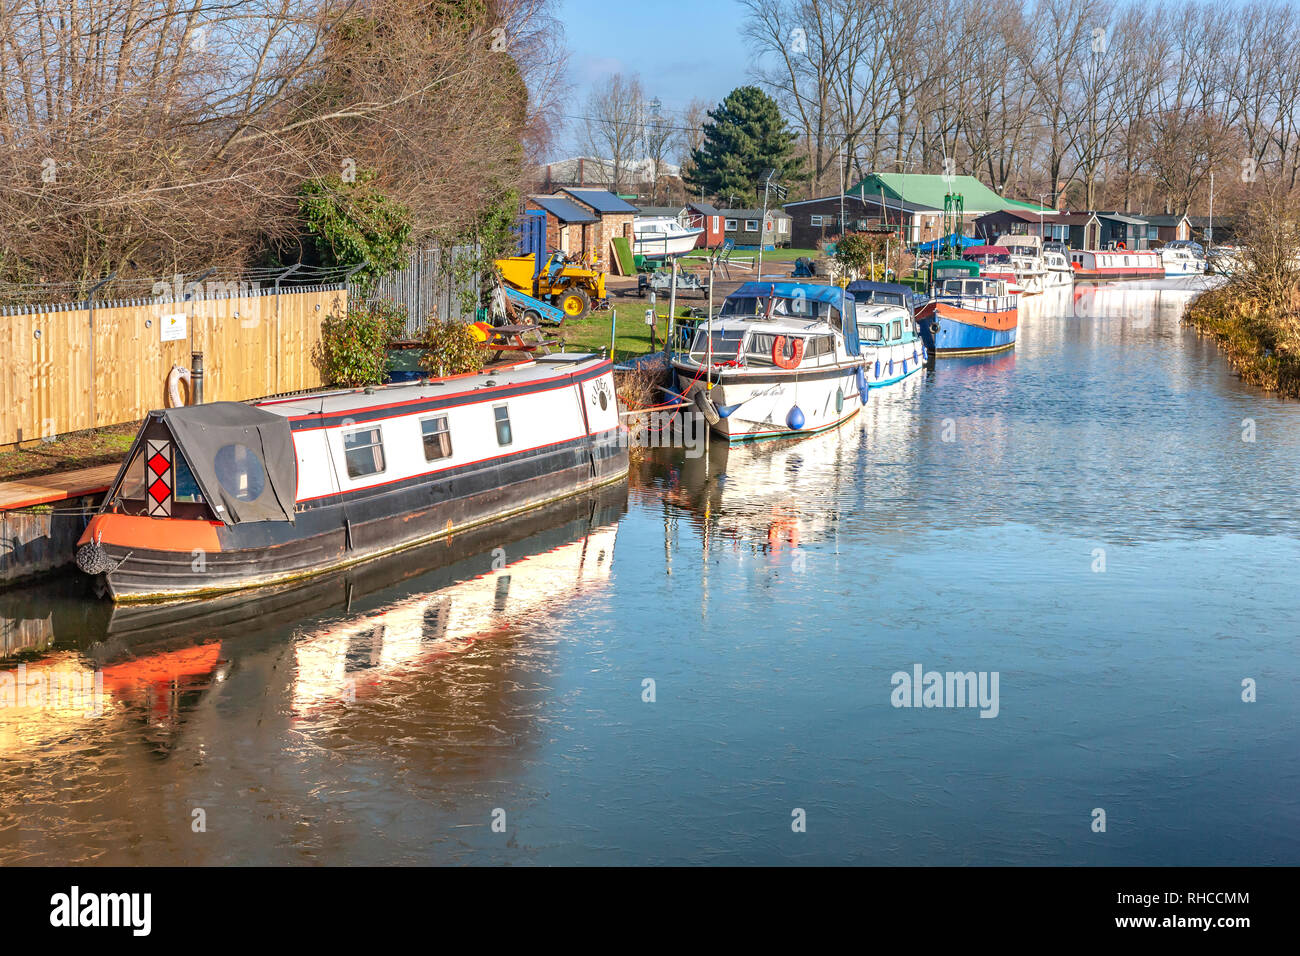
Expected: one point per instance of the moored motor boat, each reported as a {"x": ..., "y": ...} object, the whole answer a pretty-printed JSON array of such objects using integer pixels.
[
  {"x": 1182, "y": 259},
  {"x": 1027, "y": 261},
  {"x": 888, "y": 335},
  {"x": 1059, "y": 274},
  {"x": 779, "y": 360},
  {"x": 226, "y": 495},
  {"x": 995, "y": 263},
  {"x": 969, "y": 315}
]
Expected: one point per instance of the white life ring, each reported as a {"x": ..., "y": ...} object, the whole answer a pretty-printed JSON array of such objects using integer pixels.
[{"x": 173, "y": 386}]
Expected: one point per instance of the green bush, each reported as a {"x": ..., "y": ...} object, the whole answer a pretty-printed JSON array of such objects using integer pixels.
[
  {"x": 449, "y": 349},
  {"x": 354, "y": 348},
  {"x": 354, "y": 225}
]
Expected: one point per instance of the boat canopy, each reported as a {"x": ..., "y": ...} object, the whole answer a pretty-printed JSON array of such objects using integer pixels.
[
  {"x": 934, "y": 244},
  {"x": 831, "y": 295},
  {"x": 888, "y": 292},
  {"x": 242, "y": 458},
  {"x": 986, "y": 251}
]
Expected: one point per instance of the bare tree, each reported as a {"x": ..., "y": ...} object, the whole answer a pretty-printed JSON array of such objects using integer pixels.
[{"x": 614, "y": 123}]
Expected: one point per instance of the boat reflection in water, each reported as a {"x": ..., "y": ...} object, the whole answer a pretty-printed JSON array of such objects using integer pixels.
[{"x": 346, "y": 635}]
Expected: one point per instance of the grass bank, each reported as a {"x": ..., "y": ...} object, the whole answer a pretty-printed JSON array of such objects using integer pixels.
[
  {"x": 86, "y": 449},
  {"x": 1259, "y": 332}
]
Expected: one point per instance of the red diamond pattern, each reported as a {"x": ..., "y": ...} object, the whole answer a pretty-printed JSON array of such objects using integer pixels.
[
  {"x": 158, "y": 463},
  {"x": 159, "y": 490}
]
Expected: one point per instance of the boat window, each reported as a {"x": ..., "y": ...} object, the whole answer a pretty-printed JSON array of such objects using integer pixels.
[
  {"x": 896, "y": 329},
  {"x": 725, "y": 343},
  {"x": 871, "y": 333},
  {"x": 502, "y": 414},
  {"x": 437, "y": 437},
  {"x": 187, "y": 489},
  {"x": 364, "y": 452},
  {"x": 240, "y": 472},
  {"x": 760, "y": 344},
  {"x": 819, "y": 345}
]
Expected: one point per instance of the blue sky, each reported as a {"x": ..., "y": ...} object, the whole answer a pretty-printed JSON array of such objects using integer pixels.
[{"x": 681, "y": 49}]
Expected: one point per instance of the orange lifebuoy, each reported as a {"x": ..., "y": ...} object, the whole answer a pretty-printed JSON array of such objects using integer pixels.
[
  {"x": 1120, "y": 245},
  {"x": 778, "y": 352}
]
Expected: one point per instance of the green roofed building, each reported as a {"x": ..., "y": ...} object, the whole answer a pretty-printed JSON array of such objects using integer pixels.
[{"x": 977, "y": 198}]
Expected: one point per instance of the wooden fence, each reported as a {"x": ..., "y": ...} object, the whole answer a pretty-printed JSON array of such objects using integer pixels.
[{"x": 64, "y": 368}]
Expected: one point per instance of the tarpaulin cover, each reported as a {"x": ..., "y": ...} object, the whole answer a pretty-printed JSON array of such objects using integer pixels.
[
  {"x": 934, "y": 244},
  {"x": 242, "y": 458}
]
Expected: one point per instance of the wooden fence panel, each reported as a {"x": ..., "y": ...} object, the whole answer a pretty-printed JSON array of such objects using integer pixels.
[{"x": 67, "y": 379}]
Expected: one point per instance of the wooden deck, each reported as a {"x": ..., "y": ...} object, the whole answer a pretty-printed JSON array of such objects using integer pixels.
[{"x": 30, "y": 492}]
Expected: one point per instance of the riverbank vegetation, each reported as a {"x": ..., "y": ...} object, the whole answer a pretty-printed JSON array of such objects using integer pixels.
[
  {"x": 141, "y": 139},
  {"x": 1255, "y": 314}
]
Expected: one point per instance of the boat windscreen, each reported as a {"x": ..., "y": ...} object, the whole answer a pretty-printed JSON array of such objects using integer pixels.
[
  {"x": 726, "y": 343},
  {"x": 796, "y": 306}
]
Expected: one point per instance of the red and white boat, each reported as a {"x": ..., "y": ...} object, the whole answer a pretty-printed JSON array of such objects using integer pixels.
[{"x": 1112, "y": 264}]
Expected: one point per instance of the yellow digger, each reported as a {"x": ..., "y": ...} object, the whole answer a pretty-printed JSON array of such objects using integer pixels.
[{"x": 561, "y": 281}]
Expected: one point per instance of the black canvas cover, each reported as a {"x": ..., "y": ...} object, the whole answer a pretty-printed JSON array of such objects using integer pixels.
[{"x": 242, "y": 458}]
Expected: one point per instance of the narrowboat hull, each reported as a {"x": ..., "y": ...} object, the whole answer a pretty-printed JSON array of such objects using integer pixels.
[
  {"x": 192, "y": 558},
  {"x": 752, "y": 406},
  {"x": 1117, "y": 274},
  {"x": 957, "y": 331}
]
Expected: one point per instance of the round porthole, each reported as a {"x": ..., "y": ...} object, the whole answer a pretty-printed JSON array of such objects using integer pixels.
[{"x": 240, "y": 472}]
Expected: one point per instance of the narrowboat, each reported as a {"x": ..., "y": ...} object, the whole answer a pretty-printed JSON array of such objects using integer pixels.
[
  {"x": 888, "y": 335},
  {"x": 779, "y": 360},
  {"x": 1115, "y": 264},
  {"x": 227, "y": 495},
  {"x": 968, "y": 315}
]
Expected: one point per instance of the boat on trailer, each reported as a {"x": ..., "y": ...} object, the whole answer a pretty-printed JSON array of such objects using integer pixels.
[
  {"x": 968, "y": 314},
  {"x": 889, "y": 337},
  {"x": 656, "y": 237},
  {"x": 779, "y": 360},
  {"x": 1111, "y": 265},
  {"x": 228, "y": 495}
]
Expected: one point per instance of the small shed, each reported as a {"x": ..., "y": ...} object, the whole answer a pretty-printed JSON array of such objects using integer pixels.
[
  {"x": 1105, "y": 230},
  {"x": 1169, "y": 228},
  {"x": 702, "y": 215},
  {"x": 741, "y": 226},
  {"x": 613, "y": 219}
]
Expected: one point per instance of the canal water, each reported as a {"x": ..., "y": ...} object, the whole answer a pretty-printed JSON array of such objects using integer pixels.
[{"x": 701, "y": 667}]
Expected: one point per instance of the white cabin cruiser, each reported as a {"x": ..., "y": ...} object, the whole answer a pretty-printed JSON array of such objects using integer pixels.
[
  {"x": 888, "y": 334},
  {"x": 658, "y": 236},
  {"x": 1060, "y": 274},
  {"x": 1182, "y": 259},
  {"x": 1027, "y": 262},
  {"x": 778, "y": 361}
]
